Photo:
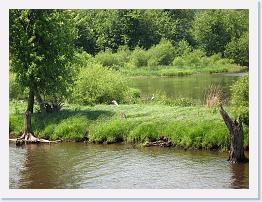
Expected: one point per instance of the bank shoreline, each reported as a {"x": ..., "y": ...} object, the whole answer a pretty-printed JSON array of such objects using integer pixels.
[
  {"x": 169, "y": 71},
  {"x": 197, "y": 127}
]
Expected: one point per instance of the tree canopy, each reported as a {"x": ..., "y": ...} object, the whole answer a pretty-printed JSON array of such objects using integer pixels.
[
  {"x": 41, "y": 46},
  {"x": 43, "y": 43}
]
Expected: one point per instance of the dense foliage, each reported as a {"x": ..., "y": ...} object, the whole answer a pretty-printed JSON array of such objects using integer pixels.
[
  {"x": 240, "y": 97},
  {"x": 98, "y": 84},
  {"x": 211, "y": 30},
  {"x": 44, "y": 42},
  {"x": 41, "y": 46}
]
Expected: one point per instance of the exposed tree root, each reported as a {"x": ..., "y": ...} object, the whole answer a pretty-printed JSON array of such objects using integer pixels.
[
  {"x": 31, "y": 139},
  {"x": 28, "y": 135}
]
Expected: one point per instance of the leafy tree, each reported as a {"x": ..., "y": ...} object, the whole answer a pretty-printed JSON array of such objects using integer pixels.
[
  {"x": 87, "y": 34},
  {"x": 182, "y": 21},
  {"x": 41, "y": 46},
  {"x": 209, "y": 31},
  {"x": 214, "y": 29},
  {"x": 16, "y": 92},
  {"x": 237, "y": 49}
]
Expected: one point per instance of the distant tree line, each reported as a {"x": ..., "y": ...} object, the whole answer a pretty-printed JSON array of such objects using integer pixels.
[
  {"x": 215, "y": 31},
  {"x": 43, "y": 43}
]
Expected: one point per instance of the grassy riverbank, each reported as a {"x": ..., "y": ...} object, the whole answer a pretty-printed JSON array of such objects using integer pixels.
[
  {"x": 188, "y": 127},
  {"x": 174, "y": 71}
]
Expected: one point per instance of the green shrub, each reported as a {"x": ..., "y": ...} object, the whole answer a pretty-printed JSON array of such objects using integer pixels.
[
  {"x": 179, "y": 62},
  {"x": 108, "y": 59},
  {"x": 161, "y": 54},
  {"x": 133, "y": 96},
  {"x": 160, "y": 97},
  {"x": 83, "y": 59},
  {"x": 183, "y": 48},
  {"x": 239, "y": 98},
  {"x": 98, "y": 84},
  {"x": 122, "y": 55},
  {"x": 194, "y": 59},
  {"x": 138, "y": 57},
  {"x": 197, "y": 59}
]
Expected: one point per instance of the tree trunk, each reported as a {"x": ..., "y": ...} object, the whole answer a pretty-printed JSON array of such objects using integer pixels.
[
  {"x": 235, "y": 128},
  {"x": 40, "y": 101},
  {"x": 28, "y": 135},
  {"x": 30, "y": 105}
]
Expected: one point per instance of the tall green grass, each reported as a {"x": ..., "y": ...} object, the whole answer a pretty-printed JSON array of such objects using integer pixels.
[{"x": 188, "y": 127}]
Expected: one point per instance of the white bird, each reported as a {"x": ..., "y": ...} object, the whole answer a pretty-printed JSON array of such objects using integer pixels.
[
  {"x": 115, "y": 103},
  {"x": 153, "y": 97}
]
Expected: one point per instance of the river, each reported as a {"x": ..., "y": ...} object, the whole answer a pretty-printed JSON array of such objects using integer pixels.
[
  {"x": 80, "y": 165},
  {"x": 194, "y": 86}
]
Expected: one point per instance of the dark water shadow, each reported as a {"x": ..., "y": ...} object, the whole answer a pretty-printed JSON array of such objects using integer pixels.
[{"x": 239, "y": 175}]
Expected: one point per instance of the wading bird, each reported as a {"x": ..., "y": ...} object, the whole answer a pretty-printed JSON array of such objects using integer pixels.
[
  {"x": 153, "y": 97},
  {"x": 115, "y": 103}
]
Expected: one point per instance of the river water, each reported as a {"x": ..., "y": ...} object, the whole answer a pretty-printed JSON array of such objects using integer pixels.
[
  {"x": 80, "y": 165},
  {"x": 194, "y": 86}
]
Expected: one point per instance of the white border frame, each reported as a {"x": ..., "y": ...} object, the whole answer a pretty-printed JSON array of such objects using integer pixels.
[{"x": 252, "y": 192}]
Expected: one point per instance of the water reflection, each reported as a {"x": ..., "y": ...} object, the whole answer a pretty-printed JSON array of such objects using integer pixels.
[
  {"x": 195, "y": 86},
  {"x": 77, "y": 165},
  {"x": 239, "y": 175}
]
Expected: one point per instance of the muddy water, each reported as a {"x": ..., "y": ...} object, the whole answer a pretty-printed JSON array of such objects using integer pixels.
[{"x": 77, "y": 165}]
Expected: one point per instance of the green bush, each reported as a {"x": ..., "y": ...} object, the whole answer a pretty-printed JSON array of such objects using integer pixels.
[
  {"x": 98, "y": 84},
  {"x": 239, "y": 99},
  {"x": 179, "y": 62},
  {"x": 133, "y": 96},
  {"x": 161, "y": 54},
  {"x": 160, "y": 97},
  {"x": 138, "y": 57},
  {"x": 183, "y": 48},
  {"x": 197, "y": 59},
  {"x": 83, "y": 59},
  {"x": 122, "y": 55},
  {"x": 107, "y": 59},
  {"x": 194, "y": 59}
]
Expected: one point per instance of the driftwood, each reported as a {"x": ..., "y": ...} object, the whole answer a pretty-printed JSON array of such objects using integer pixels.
[
  {"x": 235, "y": 128},
  {"x": 162, "y": 142},
  {"x": 28, "y": 135}
]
